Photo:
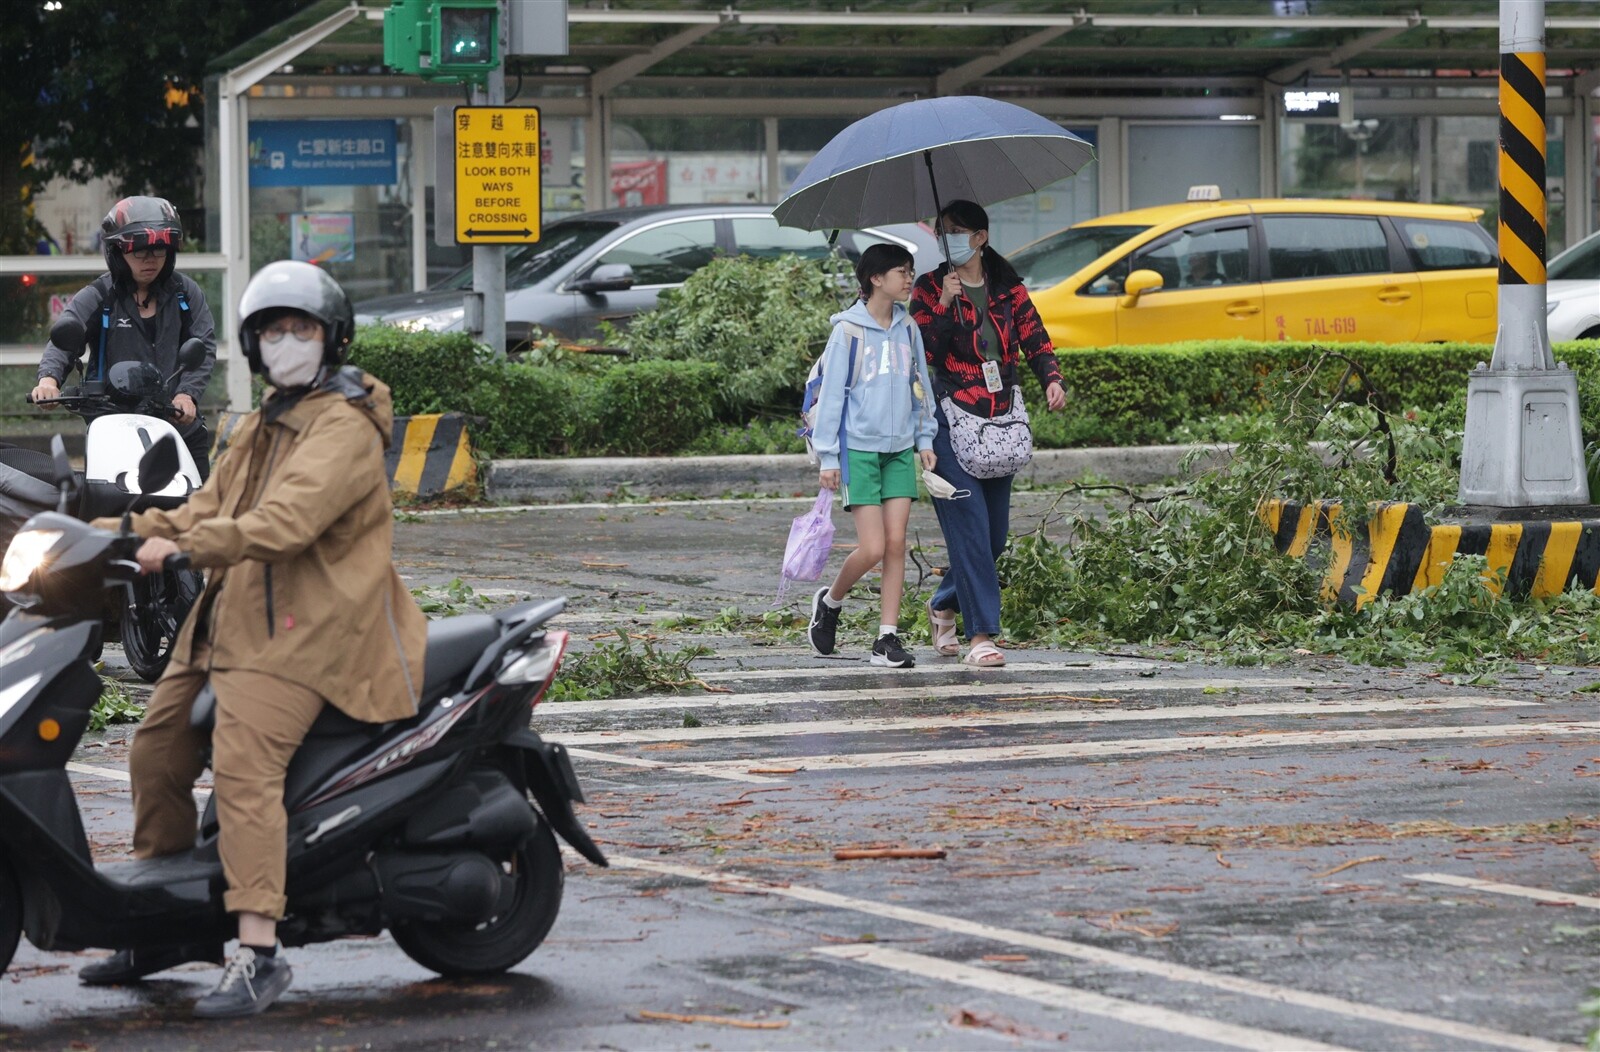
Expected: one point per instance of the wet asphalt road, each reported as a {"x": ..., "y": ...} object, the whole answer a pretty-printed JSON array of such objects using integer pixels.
[{"x": 1139, "y": 852}]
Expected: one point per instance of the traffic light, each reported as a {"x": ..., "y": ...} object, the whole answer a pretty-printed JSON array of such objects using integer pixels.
[
  {"x": 466, "y": 36},
  {"x": 442, "y": 40}
]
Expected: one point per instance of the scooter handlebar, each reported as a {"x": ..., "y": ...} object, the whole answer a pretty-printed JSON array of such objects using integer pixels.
[{"x": 176, "y": 561}]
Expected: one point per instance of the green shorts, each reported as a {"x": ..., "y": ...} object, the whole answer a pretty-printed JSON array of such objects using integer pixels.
[{"x": 875, "y": 477}]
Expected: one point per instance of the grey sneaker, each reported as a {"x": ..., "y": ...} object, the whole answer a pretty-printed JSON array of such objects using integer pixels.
[
  {"x": 889, "y": 652},
  {"x": 249, "y": 984},
  {"x": 824, "y": 629}
]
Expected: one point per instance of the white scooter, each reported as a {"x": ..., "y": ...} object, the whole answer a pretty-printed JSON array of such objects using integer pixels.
[{"x": 128, "y": 411}]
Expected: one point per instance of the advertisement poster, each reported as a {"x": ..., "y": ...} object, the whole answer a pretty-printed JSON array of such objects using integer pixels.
[{"x": 322, "y": 237}]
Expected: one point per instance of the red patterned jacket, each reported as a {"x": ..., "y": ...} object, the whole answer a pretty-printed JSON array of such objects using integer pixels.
[{"x": 954, "y": 360}]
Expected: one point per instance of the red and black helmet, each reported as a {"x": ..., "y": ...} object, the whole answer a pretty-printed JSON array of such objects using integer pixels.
[{"x": 140, "y": 222}]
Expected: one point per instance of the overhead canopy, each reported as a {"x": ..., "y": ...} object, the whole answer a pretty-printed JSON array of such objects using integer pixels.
[{"x": 1022, "y": 44}]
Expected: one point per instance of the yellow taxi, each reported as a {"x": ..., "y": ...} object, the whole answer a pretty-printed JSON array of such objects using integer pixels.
[{"x": 1278, "y": 269}]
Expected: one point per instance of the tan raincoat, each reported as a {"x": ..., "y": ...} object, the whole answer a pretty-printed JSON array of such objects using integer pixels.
[{"x": 295, "y": 527}]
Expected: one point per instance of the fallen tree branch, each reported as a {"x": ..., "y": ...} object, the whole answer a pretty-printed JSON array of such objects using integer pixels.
[{"x": 851, "y": 854}]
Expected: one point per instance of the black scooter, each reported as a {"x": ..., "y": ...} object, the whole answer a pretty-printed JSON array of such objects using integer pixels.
[
  {"x": 126, "y": 412},
  {"x": 424, "y": 826}
]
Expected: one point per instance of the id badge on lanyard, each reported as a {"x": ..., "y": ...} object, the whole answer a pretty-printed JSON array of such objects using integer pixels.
[{"x": 991, "y": 376}]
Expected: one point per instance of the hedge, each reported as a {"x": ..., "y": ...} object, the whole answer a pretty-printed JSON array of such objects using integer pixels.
[
  {"x": 523, "y": 410},
  {"x": 582, "y": 405},
  {"x": 1136, "y": 395}
]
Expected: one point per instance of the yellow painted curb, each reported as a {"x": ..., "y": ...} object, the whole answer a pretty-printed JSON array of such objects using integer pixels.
[
  {"x": 429, "y": 455},
  {"x": 1400, "y": 553}
]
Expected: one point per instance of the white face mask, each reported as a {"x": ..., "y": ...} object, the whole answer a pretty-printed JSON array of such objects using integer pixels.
[
  {"x": 940, "y": 488},
  {"x": 961, "y": 249},
  {"x": 291, "y": 362}
]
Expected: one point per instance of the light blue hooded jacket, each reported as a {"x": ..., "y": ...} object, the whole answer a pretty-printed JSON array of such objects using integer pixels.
[{"x": 885, "y": 414}]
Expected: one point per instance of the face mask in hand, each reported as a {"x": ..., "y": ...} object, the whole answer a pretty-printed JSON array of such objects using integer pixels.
[
  {"x": 291, "y": 362},
  {"x": 961, "y": 249},
  {"x": 941, "y": 488}
]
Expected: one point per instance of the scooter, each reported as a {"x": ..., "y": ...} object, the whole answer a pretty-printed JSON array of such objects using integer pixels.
[
  {"x": 424, "y": 826},
  {"x": 127, "y": 412}
]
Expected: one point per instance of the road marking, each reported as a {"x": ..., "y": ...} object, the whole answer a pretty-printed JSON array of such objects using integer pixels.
[
  {"x": 1519, "y": 890},
  {"x": 1127, "y": 962},
  {"x": 960, "y": 721},
  {"x": 638, "y": 761},
  {"x": 1132, "y": 747},
  {"x": 200, "y": 791},
  {"x": 978, "y": 687},
  {"x": 617, "y": 505},
  {"x": 1195, "y": 1028},
  {"x": 831, "y": 668},
  {"x": 100, "y": 772}
]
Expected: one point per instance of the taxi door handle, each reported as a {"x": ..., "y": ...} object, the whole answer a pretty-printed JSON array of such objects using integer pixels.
[
  {"x": 1242, "y": 309},
  {"x": 1393, "y": 295}
]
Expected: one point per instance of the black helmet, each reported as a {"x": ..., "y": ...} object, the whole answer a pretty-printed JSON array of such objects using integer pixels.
[
  {"x": 139, "y": 222},
  {"x": 290, "y": 285}
]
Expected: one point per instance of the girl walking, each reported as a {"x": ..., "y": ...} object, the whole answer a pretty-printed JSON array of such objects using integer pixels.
[
  {"x": 875, "y": 396},
  {"x": 979, "y": 324}
]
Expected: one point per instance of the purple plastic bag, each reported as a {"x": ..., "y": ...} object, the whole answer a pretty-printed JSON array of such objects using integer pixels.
[{"x": 810, "y": 541}]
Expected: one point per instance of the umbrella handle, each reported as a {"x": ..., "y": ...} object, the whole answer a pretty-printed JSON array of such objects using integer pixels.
[{"x": 944, "y": 241}]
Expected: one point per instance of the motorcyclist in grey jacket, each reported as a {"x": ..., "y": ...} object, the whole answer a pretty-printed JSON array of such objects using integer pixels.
[{"x": 141, "y": 310}]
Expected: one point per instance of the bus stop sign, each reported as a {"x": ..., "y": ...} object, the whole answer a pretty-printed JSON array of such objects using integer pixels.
[{"x": 497, "y": 158}]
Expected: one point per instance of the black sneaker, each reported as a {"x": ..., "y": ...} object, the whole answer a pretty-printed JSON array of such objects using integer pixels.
[
  {"x": 129, "y": 966},
  {"x": 249, "y": 984},
  {"x": 889, "y": 652},
  {"x": 824, "y": 628}
]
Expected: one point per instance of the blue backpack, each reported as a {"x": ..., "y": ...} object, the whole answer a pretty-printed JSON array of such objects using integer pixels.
[{"x": 813, "y": 389}]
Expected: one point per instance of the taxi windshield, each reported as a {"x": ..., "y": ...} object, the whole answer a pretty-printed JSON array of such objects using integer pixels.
[{"x": 1054, "y": 259}]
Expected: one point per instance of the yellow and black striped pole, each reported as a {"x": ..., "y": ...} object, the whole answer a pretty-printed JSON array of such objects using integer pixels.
[
  {"x": 1523, "y": 445},
  {"x": 1523, "y": 209}
]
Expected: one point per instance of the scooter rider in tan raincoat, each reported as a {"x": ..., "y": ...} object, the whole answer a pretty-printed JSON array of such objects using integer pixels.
[{"x": 302, "y": 607}]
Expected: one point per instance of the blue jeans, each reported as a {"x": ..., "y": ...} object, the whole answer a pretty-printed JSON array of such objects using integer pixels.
[{"x": 974, "y": 530}]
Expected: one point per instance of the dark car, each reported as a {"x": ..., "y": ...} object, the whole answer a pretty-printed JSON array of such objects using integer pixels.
[{"x": 611, "y": 265}]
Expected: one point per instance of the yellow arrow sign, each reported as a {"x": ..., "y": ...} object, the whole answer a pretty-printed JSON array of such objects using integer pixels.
[{"x": 497, "y": 174}]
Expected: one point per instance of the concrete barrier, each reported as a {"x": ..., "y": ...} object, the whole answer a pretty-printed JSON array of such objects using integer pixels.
[
  {"x": 1399, "y": 552},
  {"x": 599, "y": 478},
  {"x": 430, "y": 455}
]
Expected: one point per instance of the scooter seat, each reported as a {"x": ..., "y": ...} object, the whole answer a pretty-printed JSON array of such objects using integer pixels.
[{"x": 454, "y": 645}]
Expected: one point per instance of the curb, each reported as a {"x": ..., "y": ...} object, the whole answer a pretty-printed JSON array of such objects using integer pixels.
[
  {"x": 598, "y": 478},
  {"x": 429, "y": 455},
  {"x": 1402, "y": 553}
]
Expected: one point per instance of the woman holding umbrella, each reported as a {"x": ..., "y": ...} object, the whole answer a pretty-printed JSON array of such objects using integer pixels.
[{"x": 977, "y": 324}]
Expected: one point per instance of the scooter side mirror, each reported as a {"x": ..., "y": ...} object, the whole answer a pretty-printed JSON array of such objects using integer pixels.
[
  {"x": 68, "y": 334},
  {"x": 64, "y": 477},
  {"x": 192, "y": 354},
  {"x": 159, "y": 465},
  {"x": 190, "y": 357}
]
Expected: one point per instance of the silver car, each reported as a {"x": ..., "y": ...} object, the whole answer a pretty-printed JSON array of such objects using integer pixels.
[
  {"x": 1574, "y": 292},
  {"x": 611, "y": 266}
]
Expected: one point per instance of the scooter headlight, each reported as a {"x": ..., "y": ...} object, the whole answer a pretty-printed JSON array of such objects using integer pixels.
[{"x": 28, "y": 552}]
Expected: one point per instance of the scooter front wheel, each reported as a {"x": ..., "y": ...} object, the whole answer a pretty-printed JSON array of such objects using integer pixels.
[
  {"x": 10, "y": 914},
  {"x": 150, "y": 622},
  {"x": 527, "y": 911}
]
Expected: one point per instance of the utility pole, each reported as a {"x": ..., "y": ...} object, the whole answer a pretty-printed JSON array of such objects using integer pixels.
[
  {"x": 1522, "y": 447},
  {"x": 489, "y": 261}
]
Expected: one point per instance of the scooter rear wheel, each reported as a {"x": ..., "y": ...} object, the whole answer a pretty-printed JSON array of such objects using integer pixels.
[
  {"x": 527, "y": 913},
  {"x": 10, "y": 914}
]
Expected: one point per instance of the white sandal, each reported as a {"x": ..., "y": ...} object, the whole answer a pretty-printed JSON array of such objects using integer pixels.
[
  {"x": 943, "y": 629},
  {"x": 984, "y": 655}
]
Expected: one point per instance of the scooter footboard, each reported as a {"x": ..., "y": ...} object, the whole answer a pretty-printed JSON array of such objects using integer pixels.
[{"x": 555, "y": 787}]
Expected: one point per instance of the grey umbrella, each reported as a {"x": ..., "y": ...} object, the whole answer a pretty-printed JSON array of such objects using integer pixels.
[{"x": 892, "y": 166}]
